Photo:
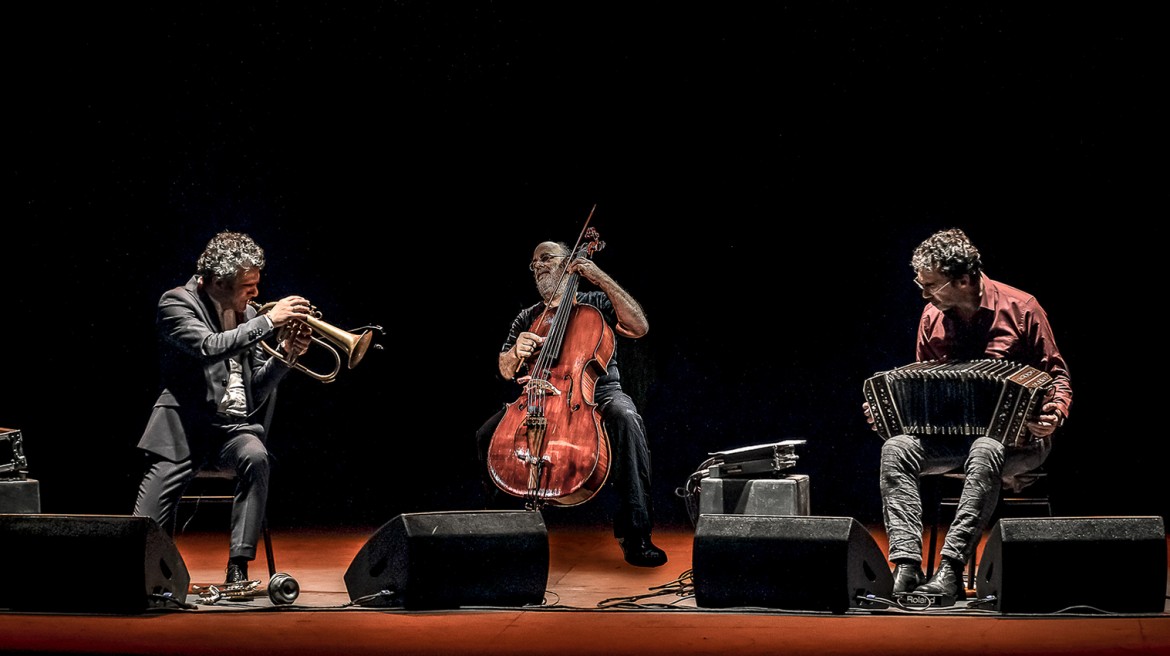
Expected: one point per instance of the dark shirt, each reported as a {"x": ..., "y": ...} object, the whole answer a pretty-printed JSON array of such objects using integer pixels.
[
  {"x": 1009, "y": 324},
  {"x": 524, "y": 322}
]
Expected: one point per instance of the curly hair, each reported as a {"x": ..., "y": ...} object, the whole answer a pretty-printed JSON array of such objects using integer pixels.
[
  {"x": 948, "y": 251},
  {"x": 227, "y": 254}
]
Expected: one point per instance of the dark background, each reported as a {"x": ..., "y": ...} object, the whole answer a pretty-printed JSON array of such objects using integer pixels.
[{"x": 760, "y": 176}]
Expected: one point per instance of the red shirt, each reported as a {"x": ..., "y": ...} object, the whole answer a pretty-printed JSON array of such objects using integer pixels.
[{"x": 1009, "y": 324}]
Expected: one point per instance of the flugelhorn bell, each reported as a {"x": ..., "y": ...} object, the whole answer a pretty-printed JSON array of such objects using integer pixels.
[{"x": 354, "y": 345}]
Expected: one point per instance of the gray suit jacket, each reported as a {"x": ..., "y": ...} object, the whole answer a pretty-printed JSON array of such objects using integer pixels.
[{"x": 193, "y": 360}]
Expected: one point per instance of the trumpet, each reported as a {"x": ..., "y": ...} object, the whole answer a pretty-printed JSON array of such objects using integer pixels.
[{"x": 354, "y": 345}]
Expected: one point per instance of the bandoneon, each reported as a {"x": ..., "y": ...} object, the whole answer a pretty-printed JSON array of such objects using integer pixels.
[{"x": 990, "y": 398}]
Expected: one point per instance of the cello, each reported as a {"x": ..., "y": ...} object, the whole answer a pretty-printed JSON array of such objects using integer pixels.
[{"x": 551, "y": 445}]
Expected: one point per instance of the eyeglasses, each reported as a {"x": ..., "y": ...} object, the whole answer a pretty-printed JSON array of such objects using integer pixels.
[
  {"x": 543, "y": 259},
  {"x": 930, "y": 288}
]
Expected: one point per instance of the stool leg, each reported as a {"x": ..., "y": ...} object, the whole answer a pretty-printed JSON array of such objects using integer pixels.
[
  {"x": 268, "y": 550},
  {"x": 932, "y": 498},
  {"x": 930, "y": 552}
]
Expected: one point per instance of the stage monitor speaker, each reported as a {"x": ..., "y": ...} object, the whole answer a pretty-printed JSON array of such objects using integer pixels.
[
  {"x": 89, "y": 563},
  {"x": 451, "y": 559},
  {"x": 1050, "y": 564},
  {"x": 788, "y": 562}
]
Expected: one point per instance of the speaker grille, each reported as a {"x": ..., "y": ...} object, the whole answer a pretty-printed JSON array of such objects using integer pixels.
[
  {"x": 88, "y": 563},
  {"x": 1052, "y": 564},
  {"x": 786, "y": 562},
  {"x": 453, "y": 559}
]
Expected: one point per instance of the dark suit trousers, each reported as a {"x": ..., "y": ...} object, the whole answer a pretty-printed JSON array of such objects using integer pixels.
[{"x": 244, "y": 453}]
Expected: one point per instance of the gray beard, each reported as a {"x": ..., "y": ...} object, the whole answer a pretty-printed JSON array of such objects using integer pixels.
[{"x": 547, "y": 287}]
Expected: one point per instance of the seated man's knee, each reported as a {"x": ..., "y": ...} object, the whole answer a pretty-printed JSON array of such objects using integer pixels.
[
  {"x": 253, "y": 458},
  {"x": 986, "y": 452},
  {"x": 621, "y": 408},
  {"x": 899, "y": 448},
  {"x": 898, "y": 443}
]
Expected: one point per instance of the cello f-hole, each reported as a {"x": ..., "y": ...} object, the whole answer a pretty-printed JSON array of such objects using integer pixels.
[{"x": 569, "y": 391}]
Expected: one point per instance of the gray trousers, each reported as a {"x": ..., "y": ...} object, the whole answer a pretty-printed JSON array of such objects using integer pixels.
[
  {"x": 244, "y": 453},
  {"x": 988, "y": 466}
]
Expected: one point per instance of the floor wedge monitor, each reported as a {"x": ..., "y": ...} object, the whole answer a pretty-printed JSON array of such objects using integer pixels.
[
  {"x": 1074, "y": 564},
  {"x": 453, "y": 559},
  {"x": 89, "y": 563},
  {"x": 787, "y": 562}
]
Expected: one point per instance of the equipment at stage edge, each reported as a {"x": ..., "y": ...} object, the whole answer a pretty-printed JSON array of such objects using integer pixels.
[
  {"x": 13, "y": 463},
  {"x": 18, "y": 492},
  {"x": 282, "y": 590},
  {"x": 729, "y": 476}
]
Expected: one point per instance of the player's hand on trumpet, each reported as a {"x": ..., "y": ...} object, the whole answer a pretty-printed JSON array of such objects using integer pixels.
[
  {"x": 295, "y": 338},
  {"x": 288, "y": 315},
  {"x": 290, "y": 309}
]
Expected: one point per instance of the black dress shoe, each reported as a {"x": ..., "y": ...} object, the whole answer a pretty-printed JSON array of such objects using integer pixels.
[
  {"x": 907, "y": 577},
  {"x": 236, "y": 572},
  {"x": 947, "y": 582},
  {"x": 642, "y": 552}
]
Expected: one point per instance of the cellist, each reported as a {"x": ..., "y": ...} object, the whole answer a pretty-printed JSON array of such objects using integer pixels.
[{"x": 551, "y": 267}]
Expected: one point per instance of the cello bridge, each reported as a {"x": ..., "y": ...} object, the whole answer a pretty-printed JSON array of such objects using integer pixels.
[{"x": 542, "y": 386}]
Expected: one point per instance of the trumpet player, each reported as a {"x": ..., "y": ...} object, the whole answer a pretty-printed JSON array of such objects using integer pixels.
[{"x": 218, "y": 389}]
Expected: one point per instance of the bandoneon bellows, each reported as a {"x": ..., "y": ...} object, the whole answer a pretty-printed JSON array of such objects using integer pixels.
[{"x": 988, "y": 397}]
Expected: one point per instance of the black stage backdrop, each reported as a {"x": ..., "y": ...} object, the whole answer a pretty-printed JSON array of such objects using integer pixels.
[{"x": 760, "y": 177}]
